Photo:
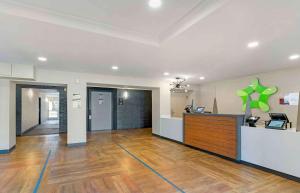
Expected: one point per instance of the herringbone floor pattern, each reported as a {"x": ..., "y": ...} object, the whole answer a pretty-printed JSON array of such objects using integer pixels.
[{"x": 102, "y": 166}]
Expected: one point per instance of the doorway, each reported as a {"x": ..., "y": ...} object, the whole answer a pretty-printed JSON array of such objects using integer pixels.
[
  {"x": 102, "y": 114},
  {"x": 101, "y": 111},
  {"x": 40, "y": 110}
]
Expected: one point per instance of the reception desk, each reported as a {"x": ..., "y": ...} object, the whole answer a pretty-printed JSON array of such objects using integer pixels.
[
  {"x": 216, "y": 133},
  {"x": 277, "y": 150}
]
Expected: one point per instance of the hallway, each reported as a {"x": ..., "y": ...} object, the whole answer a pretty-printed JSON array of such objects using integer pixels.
[
  {"x": 127, "y": 161},
  {"x": 49, "y": 127}
]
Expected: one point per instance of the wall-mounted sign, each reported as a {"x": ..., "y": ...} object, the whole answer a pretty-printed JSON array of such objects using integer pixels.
[
  {"x": 101, "y": 99},
  {"x": 263, "y": 92},
  {"x": 121, "y": 101},
  {"x": 76, "y": 101},
  {"x": 290, "y": 99}
]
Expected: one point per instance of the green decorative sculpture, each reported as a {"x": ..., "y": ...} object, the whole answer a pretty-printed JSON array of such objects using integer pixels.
[{"x": 264, "y": 95}]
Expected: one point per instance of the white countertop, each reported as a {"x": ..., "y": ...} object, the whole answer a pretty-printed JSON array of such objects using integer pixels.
[{"x": 177, "y": 118}]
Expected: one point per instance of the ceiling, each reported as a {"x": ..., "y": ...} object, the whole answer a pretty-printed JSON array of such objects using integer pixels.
[{"x": 186, "y": 38}]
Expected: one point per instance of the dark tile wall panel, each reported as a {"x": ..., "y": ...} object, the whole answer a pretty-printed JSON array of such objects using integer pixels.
[
  {"x": 63, "y": 112},
  {"x": 136, "y": 111}
]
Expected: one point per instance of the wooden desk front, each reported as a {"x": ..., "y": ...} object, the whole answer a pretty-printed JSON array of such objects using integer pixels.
[{"x": 218, "y": 134}]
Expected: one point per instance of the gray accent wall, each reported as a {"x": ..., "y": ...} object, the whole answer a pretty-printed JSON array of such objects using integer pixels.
[{"x": 136, "y": 110}]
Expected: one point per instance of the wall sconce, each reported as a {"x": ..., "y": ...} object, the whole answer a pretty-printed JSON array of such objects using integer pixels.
[{"x": 125, "y": 95}]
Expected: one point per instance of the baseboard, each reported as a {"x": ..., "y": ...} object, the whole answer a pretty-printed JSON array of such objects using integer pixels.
[
  {"x": 7, "y": 151},
  {"x": 275, "y": 172},
  {"x": 76, "y": 144},
  {"x": 167, "y": 139}
]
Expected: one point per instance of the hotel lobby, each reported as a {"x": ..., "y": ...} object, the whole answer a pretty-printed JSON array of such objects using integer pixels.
[{"x": 149, "y": 96}]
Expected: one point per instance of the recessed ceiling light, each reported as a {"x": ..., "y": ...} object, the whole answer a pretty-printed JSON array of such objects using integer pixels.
[
  {"x": 115, "y": 67},
  {"x": 253, "y": 44},
  {"x": 42, "y": 59},
  {"x": 202, "y": 78},
  {"x": 166, "y": 73},
  {"x": 154, "y": 3},
  {"x": 294, "y": 57}
]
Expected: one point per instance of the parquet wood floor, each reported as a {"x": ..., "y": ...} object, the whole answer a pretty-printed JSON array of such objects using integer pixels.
[{"x": 102, "y": 166}]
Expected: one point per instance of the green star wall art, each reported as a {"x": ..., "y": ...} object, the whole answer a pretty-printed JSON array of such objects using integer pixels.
[{"x": 264, "y": 93}]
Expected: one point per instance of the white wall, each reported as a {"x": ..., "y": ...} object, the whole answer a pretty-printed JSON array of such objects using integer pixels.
[
  {"x": 180, "y": 100},
  {"x": 4, "y": 115},
  {"x": 287, "y": 81},
  {"x": 165, "y": 99},
  {"x": 44, "y": 108},
  {"x": 156, "y": 111},
  {"x": 7, "y": 115},
  {"x": 194, "y": 95},
  {"x": 77, "y": 116},
  {"x": 178, "y": 103},
  {"x": 30, "y": 108}
]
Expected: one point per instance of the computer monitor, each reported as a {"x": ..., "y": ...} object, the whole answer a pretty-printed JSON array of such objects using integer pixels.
[
  {"x": 276, "y": 124},
  {"x": 279, "y": 116},
  {"x": 199, "y": 109},
  {"x": 278, "y": 121}
]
